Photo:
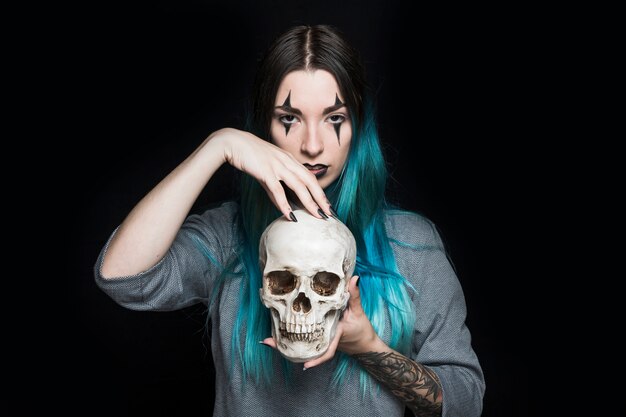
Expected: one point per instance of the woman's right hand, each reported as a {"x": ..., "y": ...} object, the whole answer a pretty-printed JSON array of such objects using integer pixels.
[{"x": 272, "y": 167}]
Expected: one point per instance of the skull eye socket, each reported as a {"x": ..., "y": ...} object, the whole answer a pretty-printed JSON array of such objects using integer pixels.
[
  {"x": 325, "y": 283},
  {"x": 281, "y": 282}
]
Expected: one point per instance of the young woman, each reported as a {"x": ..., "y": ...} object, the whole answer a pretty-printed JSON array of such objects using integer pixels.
[{"x": 312, "y": 138}]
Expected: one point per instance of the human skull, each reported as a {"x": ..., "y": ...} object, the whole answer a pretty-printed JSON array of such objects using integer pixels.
[{"x": 306, "y": 269}]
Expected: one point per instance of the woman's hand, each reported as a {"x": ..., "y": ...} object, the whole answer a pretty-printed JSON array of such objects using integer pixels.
[
  {"x": 354, "y": 333},
  {"x": 272, "y": 167}
]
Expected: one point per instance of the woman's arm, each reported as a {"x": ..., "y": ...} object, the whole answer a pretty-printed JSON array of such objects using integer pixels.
[
  {"x": 445, "y": 377},
  {"x": 148, "y": 231},
  {"x": 416, "y": 385}
]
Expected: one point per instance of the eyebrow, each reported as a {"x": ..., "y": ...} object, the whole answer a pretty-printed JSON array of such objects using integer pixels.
[
  {"x": 289, "y": 109},
  {"x": 294, "y": 110}
]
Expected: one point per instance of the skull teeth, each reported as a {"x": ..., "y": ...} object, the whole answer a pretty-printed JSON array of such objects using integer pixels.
[
  {"x": 301, "y": 333},
  {"x": 297, "y": 328},
  {"x": 302, "y": 337}
]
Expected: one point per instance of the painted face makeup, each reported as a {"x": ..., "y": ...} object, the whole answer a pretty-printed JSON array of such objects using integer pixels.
[
  {"x": 287, "y": 120},
  {"x": 337, "y": 126},
  {"x": 287, "y": 105},
  {"x": 312, "y": 123}
]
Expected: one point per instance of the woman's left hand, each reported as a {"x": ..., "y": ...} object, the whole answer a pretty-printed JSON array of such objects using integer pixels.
[{"x": 354, "y": 333}]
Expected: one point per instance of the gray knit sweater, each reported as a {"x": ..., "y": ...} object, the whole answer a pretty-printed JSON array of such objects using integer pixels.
[{"x": 441, "y": 340}]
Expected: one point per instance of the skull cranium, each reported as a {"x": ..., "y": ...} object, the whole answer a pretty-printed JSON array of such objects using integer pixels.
[{"x": 306, "y": 269}]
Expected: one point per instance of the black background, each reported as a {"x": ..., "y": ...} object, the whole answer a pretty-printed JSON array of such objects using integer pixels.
[{"x": 150, "y": 82}]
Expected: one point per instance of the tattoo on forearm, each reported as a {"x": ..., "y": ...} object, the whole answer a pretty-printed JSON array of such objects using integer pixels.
[{"x": 415, "y": 384}]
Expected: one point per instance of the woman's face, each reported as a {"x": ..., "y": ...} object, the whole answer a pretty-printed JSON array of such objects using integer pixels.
[{"x": 311, "y": 122}]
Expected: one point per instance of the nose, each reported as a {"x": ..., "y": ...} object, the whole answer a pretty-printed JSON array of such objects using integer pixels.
[
  {"x": 301, "y": 304},
  {"x": 312, "y": 143}
]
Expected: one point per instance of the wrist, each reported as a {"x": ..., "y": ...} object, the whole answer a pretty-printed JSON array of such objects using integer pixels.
[
  {"x": 217, "y": 145},
  {"x": 374, "y": 344}
]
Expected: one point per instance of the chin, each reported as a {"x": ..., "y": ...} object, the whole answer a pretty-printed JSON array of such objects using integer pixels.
[{"x": 325, "y": 181}]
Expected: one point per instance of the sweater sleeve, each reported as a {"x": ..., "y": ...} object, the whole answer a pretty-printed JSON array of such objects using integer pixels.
[
  {"x": 185, "y": 275},
  {"x": 442, "y": 340}
]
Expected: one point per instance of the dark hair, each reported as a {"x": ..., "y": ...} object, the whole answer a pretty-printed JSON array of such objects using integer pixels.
[
  {"x": 307, "y": 48},
  {"x": 358, "y": 196}
]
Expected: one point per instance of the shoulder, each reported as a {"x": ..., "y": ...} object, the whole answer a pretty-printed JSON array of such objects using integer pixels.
[
  {"x": 218, "y": 211},
  {"x": 421, "y": 254},
  {"x": 412, "y": 230},
  {"x": 223, "y": 210},
  {"x": 218, "y": 219}
]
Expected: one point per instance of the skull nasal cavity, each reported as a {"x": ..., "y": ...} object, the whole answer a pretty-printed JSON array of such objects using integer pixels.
[{"x": 302, "y": 303}]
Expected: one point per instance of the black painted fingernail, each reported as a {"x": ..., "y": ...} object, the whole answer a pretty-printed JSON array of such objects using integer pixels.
[
  {"x": 321, "y": 213},
  {"x": 292, "y": 216},
  {"x": 333, "y": 211},
  {"x": 357, "y": 281}
]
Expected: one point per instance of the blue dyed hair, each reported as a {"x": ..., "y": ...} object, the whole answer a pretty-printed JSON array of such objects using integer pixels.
[{"x": 358, "y": 196}]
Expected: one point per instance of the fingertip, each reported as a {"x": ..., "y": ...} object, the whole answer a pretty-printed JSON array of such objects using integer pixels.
[
  {"x": 329, "y": 208},
  {"x": 315, "y": 211},
  {"x": 354, "y": 281},
  {"x": 324, "y": 204},
  {"x": 355, "y": 292},
  {"x": 269, "y": 342}
]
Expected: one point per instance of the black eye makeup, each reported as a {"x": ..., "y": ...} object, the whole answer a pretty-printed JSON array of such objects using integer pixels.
[
  {"x": 289, "y": 119},
  {"x": 293, "y": 114},
  {"x": 337, "y": 124}
]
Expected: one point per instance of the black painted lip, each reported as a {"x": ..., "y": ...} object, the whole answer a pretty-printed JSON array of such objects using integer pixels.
[{"x": 319, "y": 170}]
